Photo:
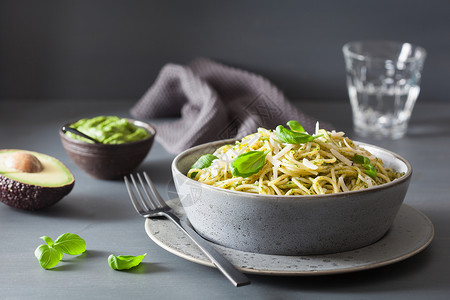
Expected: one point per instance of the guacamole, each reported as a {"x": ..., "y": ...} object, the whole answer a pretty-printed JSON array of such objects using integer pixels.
[{"x": 109, "y": 130}]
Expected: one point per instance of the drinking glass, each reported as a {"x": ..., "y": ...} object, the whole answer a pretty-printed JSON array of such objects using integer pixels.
[{"x": 383, "y": 80}]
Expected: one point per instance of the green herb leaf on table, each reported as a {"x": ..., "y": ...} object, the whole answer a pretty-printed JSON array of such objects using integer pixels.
[
  {"x": 292, "y": 137},
  {"x": 369, "y": 169},
  {"x": 248, "y": 163},
  {"x": 47, "y": 240},
  {"x": 70, "y": 243},
  {"x": 202, "y": 162},
  {"x": 50, "y": 253},
  {"x": 47, "y": 256},
  {"x": 124, "y": 262}
]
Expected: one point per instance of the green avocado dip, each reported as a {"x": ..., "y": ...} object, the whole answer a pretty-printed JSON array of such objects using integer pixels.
[{"x": 108, "y": 130}]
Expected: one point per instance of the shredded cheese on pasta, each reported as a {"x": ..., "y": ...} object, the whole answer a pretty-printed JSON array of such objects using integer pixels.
[{"x": 322, "y": 166}]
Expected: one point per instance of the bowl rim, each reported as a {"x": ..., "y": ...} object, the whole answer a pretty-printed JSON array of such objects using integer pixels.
[
  {"x": 406, "y": 177},
  {"x": 148, "y": 127}
]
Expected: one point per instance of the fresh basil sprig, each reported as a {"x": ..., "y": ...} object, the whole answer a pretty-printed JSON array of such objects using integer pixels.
[
  {"x": 70, "y": 243},
  {"x": 50, "y": 253},
  {"x": 202, "y": 162},
  {"x": 247, "y": 164},
  {"x": 295, "y": 126},
  {"x": 124, "y": 262},
  {"x": 292, "y": 137},
  {"x": 47, "y": 256},
  {"x": 369, "y": 169}
]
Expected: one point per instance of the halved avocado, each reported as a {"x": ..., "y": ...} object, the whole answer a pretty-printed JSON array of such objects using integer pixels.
[{"x": 31, "y": 180}]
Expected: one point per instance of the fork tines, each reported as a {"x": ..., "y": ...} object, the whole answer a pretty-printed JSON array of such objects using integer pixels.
[{"x": 150, "y": 201}]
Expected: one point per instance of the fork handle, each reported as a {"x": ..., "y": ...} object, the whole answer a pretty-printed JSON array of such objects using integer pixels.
[{"x": 235, "y": 276}]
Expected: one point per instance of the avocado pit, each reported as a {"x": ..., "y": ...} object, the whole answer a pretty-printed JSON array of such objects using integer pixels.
[{"x": 24, "y": 162}]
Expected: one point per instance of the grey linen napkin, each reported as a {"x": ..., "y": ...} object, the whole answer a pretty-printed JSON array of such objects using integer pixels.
[{"x": 215, "y": 102}]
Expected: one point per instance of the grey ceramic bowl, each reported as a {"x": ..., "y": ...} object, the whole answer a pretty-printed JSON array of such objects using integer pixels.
[
  {"x": 108, "y": 161},
  {"x": 290, "y": 225}
]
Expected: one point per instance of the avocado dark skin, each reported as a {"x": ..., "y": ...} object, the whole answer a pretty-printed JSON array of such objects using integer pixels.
[{"x": 30, "y": 197}]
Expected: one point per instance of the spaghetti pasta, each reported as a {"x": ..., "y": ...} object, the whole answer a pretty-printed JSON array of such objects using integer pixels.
[{"x": 325, "y": 164}]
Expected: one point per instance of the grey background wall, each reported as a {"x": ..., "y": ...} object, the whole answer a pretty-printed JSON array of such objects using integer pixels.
[{"x": 106, "y": 49}]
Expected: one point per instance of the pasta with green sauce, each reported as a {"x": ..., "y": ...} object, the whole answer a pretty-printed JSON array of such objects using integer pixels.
[{"x": 292, "y": 162}]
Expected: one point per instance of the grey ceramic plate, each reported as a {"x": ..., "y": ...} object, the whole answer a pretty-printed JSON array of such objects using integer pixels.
[{"x": 411, "y": 232}]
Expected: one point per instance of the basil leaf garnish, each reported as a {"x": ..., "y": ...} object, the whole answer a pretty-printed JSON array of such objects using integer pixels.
[
  {"x": 70, "y": 243},
  {"x": 369, "y": 169},
  {"x": 202, "y": 162},
  {"x": 47, "y": 256},
  {"x": 295, "y": 126},
  {"x": 292, "y": 137},
  {"x": 362, "y": 160},
  {"x": 47, "y": 240},
  {"x": 50, "y": 253},
  {"x": 124, "y": 262},
  {"x": 248, "y": 163}
]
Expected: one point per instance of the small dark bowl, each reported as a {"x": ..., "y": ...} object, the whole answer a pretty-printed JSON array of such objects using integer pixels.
[{"x": 108, "y": 161}]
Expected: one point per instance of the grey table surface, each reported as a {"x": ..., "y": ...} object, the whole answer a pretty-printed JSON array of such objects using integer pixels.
[{"x": 101, "y": 213}]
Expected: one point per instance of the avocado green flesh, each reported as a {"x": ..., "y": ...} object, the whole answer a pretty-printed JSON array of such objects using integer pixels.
[{"x": 54, "y": 173}]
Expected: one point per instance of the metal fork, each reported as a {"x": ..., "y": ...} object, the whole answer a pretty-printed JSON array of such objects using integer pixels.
[{"x": 154, "y": 206}]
